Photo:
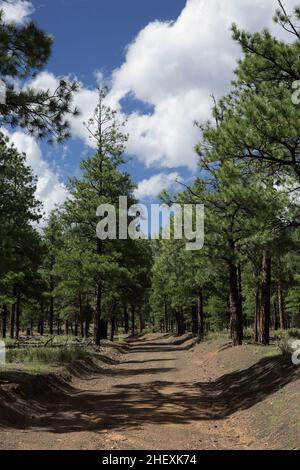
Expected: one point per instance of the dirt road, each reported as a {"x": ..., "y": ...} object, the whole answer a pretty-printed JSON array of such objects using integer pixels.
[{"x": 158, "y": 397}]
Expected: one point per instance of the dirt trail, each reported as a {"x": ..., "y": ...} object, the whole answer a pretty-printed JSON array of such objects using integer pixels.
[{"x": 158, "y": 397}]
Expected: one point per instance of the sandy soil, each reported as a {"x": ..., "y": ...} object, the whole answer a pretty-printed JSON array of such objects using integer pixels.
[{"x": 160, "y": 395}]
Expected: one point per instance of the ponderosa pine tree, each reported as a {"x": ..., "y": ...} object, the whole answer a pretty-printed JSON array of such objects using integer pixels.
[
  {"x": 102, "y": 183},
  {"x": 74, "y": 283},
  {"x": 259, "y": 120},
  {"x": 24, "y": 51},
  {"x": 238, "y": 206},
  {"x": 53, "y": 238},
  {"x": 267, "y": 58},
  {"x": 28, "y": 260},
  {"x": 134, "y": 288},
  {"x": 18, "y": 209}
]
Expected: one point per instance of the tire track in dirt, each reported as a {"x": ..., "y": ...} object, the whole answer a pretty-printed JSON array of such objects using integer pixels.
[{"x": 157, "y": 397}]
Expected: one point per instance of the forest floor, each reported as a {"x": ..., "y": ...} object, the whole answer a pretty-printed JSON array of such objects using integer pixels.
[{"x": 162, "y": 393}]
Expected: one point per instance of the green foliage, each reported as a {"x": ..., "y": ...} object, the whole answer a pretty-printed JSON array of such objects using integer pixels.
[
  {"x": 48, "y": 355},
  {"x": 248, "y": 180},
  {"x": 24, "y": 51}
]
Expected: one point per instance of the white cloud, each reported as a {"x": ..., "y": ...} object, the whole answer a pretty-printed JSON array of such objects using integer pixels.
[
  {"x": 16, "y": 10},
  {"x": 153, "y": 186},
  {"x": 167, "y": 137},
  {"x": 175, "y": 67},
  {"x": 50, "y": 191}
]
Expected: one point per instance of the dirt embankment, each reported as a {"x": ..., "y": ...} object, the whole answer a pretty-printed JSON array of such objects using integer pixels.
[
  {"x": 161, "y": 393},
  {"x": 22, "y": 393}
]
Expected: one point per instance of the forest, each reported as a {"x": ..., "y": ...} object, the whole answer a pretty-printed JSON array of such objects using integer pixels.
[
  {"x": 119, "y": 337},
  {"x": 58, "y": 278}
]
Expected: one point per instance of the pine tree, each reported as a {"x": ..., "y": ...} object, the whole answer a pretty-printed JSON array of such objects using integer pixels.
[
  {"x": 102, "y": 183},
  {"x": 53, "y": 240},
  {"x": 18, "y": 209},
  {"x": 24, "y": 51}
]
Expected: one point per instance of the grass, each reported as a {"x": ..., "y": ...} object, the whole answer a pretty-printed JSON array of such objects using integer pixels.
[
  {"x": 47, "y": 355},
  {"x": 215, "y": 335},
  {"x": 41, "y": 354},
  {"x": 55, "y": 341},
  {"x": 42, "y": 340},
  {"x": 32, "y": 368},
  {"x": 291, "y": 333}
]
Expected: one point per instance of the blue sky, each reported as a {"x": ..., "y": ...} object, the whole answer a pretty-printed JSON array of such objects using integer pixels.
[
  {"x": 92, "y": 35},
  {"x": 163, "y": 60}
]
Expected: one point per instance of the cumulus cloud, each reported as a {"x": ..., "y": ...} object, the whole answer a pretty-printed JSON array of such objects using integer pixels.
[
  {"x": 16, "y": 10},
  {"x": 50, "y": 191},
  {"x": 173, "y": 68},
  {"x": 153, "y": 186}
]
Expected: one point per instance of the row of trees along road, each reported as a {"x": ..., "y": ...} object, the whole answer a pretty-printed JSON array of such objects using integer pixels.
[
  {"x": 24, "y": 50},
  {"x": 249, "y": 182},
  {"x": 247, "y": 275}
]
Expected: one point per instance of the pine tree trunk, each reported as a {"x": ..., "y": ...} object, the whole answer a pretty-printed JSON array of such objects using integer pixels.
[
  {"x": 42, "y": 325},
  {"x": 18, "y": 314},
  {"x": 182, "y": 322},
  {"x": 177, "y": 323},
  {"x": 194, "y": 320},
  {"x": 76, "y": 327},
  {"x": 166, "y": 315},
  {"x": 141, "y": 321},
  {"x": 239, "y": 283},
  {"x": 275, "y": 307},
  {"x": 133, "y": 320},
  {"x": 97, "y": 316},
  {"x": 113, "y": 322},
  {"x": 264, "y": 337},
  {"x": 103, "y": 329},
  {"x": 51, "y": 310},
  {"x": 12, "y": 321},
  {"x": 13, "y": 314},
  {"x": 113, "y": 328},
  {"x": 98, "y": 309},
  {"x": 200, "y": 314},
  {"x": 67, "y": 327},
  {"x": 257, "y": 316},
  {"x": 80, "y": 316},
  {"x": 236, "y": 318},
  {"x": 126, "y": 319},
  {"x": 4, "y": 321},
  {"x": 281, "y": 307},
  {"x": 87, "y": 328}
]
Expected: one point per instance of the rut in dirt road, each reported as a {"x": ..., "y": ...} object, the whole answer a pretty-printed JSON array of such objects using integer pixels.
[{"x": 156, "y": 398}]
